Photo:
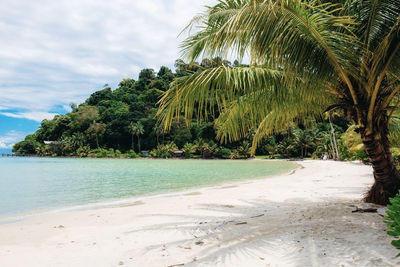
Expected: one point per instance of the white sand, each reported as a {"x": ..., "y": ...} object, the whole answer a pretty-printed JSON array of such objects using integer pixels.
[{"x": 300, "y": 219}]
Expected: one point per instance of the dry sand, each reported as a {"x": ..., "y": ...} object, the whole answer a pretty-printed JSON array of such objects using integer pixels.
[{"x": 300, "y": 219}]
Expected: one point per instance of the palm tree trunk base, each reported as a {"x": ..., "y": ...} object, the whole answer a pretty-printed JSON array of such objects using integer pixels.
[
  {"x": 380, "y": 193},
  {"x": 387, "y": 177}
]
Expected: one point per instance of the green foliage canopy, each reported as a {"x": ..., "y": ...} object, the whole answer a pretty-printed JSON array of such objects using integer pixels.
[{"x": 306, "y": 57}]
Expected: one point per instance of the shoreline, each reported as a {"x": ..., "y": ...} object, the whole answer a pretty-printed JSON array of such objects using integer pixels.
[
  {"x": 150, "y": 158},
  {"x": 300, "y": 219},
  {"x": 123, "y": 201}
]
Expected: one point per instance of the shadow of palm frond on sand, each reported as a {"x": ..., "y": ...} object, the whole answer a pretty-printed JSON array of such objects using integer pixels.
[{"x": 265, "y": 233}]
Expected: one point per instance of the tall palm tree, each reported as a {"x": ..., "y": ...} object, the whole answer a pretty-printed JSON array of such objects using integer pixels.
[
  {"x": 306, "y": 57},
  {"x": 136, "y": 129},
  {"x": 97, "y": 129},
  {"x": 158, "y": 130},
  {"x": 304, "y": 140}
]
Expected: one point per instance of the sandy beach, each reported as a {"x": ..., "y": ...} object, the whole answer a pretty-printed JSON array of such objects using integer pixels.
[{"x": 303, "y": 218}]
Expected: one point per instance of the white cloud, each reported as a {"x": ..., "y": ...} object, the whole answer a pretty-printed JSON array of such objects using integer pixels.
[
  {"x": 58, "y": 52},
  {"x": 35, "y": 116},
  {"x": 7, "y": 141},
  {"x": 4, "y": 146}
]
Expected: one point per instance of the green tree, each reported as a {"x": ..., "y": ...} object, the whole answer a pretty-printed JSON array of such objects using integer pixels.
[
  {"x": 96, "y": 129},
  {"x": 306, "y": 57},
  {"x": 188, "y": 150},
  {"x": 83, "y": 117},
  {"x": 28, "y": 146},
  {"x": 136, "y": 129},
  {"x": 97, "y": 97},
  {"x": 303, "y": 139},
  {"x": 158, "y": 130},
  {"x": 245, "y": 149}
]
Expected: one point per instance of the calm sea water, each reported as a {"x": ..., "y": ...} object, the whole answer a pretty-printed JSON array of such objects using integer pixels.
[{"x": 37, "y": 184}]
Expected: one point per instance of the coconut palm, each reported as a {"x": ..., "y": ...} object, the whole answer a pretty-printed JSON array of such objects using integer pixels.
[
  {"x": 245, "y": 149},
  {"x": 306, "y": 57},
  {"x": 96, "y": 129},
  {"x": 189, "y": 149},
  {"x": 136, "y": 129},
  {"x": 158, "y": 130}
]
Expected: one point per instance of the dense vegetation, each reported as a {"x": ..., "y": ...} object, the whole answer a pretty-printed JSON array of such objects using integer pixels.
[
  {"x": 114, "y": 123},
  {"x": 121, "y": 123},
  {"x": 393, "y": 221}
]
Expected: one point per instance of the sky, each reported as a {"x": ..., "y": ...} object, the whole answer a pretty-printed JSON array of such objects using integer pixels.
[{"x": 54, "y": 53}]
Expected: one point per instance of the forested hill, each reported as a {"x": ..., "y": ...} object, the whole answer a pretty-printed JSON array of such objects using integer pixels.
[
  {"x": 122, "y": 119},
  {"x": 121, "y": 123}
]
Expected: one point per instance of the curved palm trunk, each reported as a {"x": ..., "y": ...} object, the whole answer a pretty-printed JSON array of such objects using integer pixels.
[
  {"x": 97, "y": 140},
  {"x": 387, "y": 177},
  {"x": 332, "y": 152},
  {"x": 337, "y": 156}
]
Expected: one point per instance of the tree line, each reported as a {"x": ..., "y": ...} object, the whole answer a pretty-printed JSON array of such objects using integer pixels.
[{"x": 122, "y": 123}]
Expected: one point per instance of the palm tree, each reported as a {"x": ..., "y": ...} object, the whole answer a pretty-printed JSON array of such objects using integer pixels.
[
  {"x": 95, "y": 129},
  {"x": 333, "y": 137},
  {"x": 136, "y": 129},
  {"x": 132, "y": 131},
  {"x": 158, "y": 130},
  {"x": 245, "y": 149},
  {"x": 306, "y": 58}
]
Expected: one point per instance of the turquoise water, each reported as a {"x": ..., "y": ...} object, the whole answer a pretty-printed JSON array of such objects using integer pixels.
[{"x": 35, "y": 184}]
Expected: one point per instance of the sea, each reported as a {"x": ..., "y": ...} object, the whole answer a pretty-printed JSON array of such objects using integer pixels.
[{"x": 32, "y": 185}]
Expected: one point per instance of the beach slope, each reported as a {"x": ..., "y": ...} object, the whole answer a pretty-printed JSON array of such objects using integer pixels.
[{"x": 303, "y": 218}]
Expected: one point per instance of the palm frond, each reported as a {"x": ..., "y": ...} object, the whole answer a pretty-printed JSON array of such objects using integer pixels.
[
  {"x": 247, "y": 98},
  {"x": 347, "y": 52}
]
